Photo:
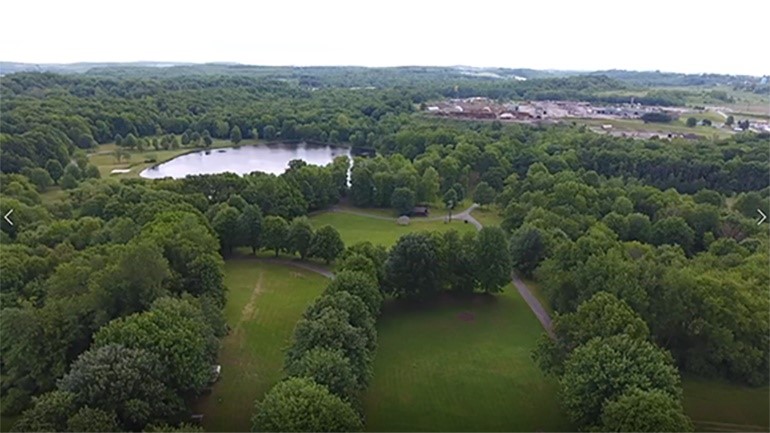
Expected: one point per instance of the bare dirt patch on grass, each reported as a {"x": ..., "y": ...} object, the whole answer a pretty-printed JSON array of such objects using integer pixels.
[
  {"x": 466, "y": 316},
  {"x": 250, "y": 309}
]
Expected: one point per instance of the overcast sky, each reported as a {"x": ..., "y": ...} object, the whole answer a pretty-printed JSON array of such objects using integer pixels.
[{"x": 669, "y": 35}]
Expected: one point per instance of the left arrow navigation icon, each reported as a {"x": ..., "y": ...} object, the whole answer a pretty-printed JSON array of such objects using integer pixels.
[{"x": 7, "y": 215}]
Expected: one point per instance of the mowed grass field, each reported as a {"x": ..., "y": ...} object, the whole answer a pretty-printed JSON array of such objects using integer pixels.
[
  {"x": 264, "y": 302},
  {"x": 461, "y": 364},
  {"x": 356, "y": 228},
  {"x": 715, "y": 405},
  {"x": 488, "y": 216}
]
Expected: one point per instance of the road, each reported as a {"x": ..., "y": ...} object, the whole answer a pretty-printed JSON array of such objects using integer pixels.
[{"x": 534, "y": 304}]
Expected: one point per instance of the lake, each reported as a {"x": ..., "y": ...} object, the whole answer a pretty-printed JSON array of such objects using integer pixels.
[{"x": 269, "y": 158}]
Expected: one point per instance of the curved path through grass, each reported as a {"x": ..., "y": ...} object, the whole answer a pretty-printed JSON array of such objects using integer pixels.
[{"x": 534, "y": 304}]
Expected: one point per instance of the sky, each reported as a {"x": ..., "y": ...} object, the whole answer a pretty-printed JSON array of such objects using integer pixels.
[{"x": 668, "y": 35}]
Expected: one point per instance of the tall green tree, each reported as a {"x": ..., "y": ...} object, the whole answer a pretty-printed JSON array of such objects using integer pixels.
[
  {"x": 89, "y": 419},
  {"x": 227, "y": 224},
  {"x": 605, "y": 368},
  {"x": 484, "y": 194},
  {"x": 402, "y": 200},
  {"x": 300, "y": 237},
  {"x": 673, "y": 231},
  {"x": 235, "y": 135},
  {"x": 604, "y": 315},
  {"x": 413, "y": 265},
  {"x": 645, "y": 411},
  {"x": 40, "y": 178},
  {"x": 359, "y": 284},
  {"x": 275, "y": 232},
  {"x": 493, "y": 265},
  {"x": 251, "y": 223},
  {"x": 331, "y": 328},
  {"x": 54, "y": 169},
  {"x": 300, "y": 404},
  {"x": 176, "y": 331},
  {"x": 327, "y": 244},
  {"x": 49, "y": 412},
  {"x": 126, "y": 382},
  {"x": 329, "y": 368},
  {"x": 428, "y": 186},
  {"x": 528, "y": 247}
]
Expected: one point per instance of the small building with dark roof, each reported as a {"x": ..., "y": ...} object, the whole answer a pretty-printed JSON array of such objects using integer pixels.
[{"x": 420, "y": 211}]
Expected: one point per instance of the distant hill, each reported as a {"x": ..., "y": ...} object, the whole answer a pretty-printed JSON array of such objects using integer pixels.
[
  {"x": 359, "y": 76},
  {"x": 76, "y": 68}
]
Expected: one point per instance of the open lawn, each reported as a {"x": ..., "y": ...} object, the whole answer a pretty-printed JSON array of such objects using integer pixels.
[
  {"x": 715, "y": 405},
  {"x": 488, "y": 216},
  {"x": 264, "y": 302},
  {"x": 356, "y": 228},
  {"x": 662, "y": 129},
  {"x": 460, "y": 364},
  {"x": 53, "y": 194}
]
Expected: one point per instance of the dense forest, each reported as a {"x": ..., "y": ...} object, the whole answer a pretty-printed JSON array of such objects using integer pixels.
[{"x": 656, "y": 237}]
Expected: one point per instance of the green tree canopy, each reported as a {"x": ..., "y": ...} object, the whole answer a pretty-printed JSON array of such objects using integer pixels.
[
  {"x": 235, "y": 135},
  {"x": 493, "y": 265},
  {"x": 327, "y": 244},
  {"x": 604, "y": 315},
  {"x": 125, "y": 382},
  {"x": 645, "y": 411},
  {"x": 89, "y": 419},
  {"x": 605, "y": 368},
  {"x": 329, "y": 368},
  {"x": 227, "y": 225},
  {"x": 484, "y": 194},
  {"x": 331, "y": 328},
  {"x": 299, "y": 404},
  {"x": 177, "y": 332},
  {"x": 403, "y": 200},
  {"x": 360, "y": 285},
  {"x": 275, "y": 232},
  {"x": 412, "y": 268},
  {"x": 300, "y": 236}
]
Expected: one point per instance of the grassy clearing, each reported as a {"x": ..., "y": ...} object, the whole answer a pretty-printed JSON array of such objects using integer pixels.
[
  {"x": 355, "y": 228},
  {"x": 660, "y": 128},
  {"x": 104, "y": 157},
  {"x": 460, "y": 364},
  {"x": 53, "y": 194},
  {"x": 264, "y": 302},
  {"x": 489, "y": 216},
  {"x": 715, "y": 405}
]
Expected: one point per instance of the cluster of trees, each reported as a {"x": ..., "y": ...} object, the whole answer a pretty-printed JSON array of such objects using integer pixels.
[
  {"x": 329, "y": 362},
  {"x": 49, "y": 116},
  {"x": 672, "y": 258},
  {"x": 84, "y": 296},
  {"x": 132, "y": 269},
  {"x": 612, "y": 377},
  {"x": 467, "y": 152},
  {"x": 422, "y": 264},
  {"x": 238, "y": 223}
]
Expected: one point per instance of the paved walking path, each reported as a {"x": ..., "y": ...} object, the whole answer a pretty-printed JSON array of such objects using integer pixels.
[{"x": 525, "y": 292}]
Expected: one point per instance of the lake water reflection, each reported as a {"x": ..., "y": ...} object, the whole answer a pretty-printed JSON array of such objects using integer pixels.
[{"x": 269, "y": 158}]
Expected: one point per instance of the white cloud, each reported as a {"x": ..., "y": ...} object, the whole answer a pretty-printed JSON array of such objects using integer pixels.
[{"x": 682, "y": 36}]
